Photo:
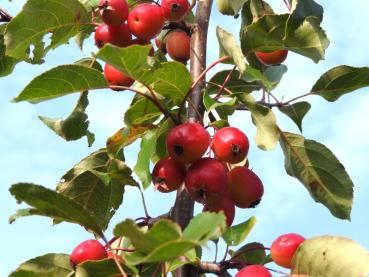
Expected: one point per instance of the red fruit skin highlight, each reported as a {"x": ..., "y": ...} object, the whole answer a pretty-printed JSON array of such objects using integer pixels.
[
  {"x": 244, "y": 187},
  {"x": 187, "y": 142},
  {"x": 178, "y": 46},
  {"x": 254, "y": 271},
  {"x": 206, "y": 180},
  {"x": 116, "y": 78},
  {"x": 113, "y": 12},
  {"x": 146, "y": 21},
  {"x": 284, "y": 247},
  {"x": 230, "y": 145},
  {"x": 118, "y": 35},
  {"x": 88, "y": 250},
  {"x": 272, "y": 58},
  {"x": 168, "y": 175},
  {"x": 223, "y": 204},
  {"x": 175, "y": 10}
]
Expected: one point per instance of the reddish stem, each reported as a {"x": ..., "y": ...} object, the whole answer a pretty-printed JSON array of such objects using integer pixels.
[
  {"x": 198, "y": 79},
  {"x": 124, "y": 249},
  {"x": 221, "y": 89},
  {"x": 114, "y": 257}
]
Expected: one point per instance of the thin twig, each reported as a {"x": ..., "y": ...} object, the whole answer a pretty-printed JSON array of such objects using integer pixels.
[
  {"x": 287, "y": 5},
  {"x": 225, "y": 253},
  {"x": 143, "y": 202},
  {"x": 164, "y": 110},
  {"x": 124, "y": 249},
  {"x": 114, "y": 257},
  {"x": 198, "y": 79},
  {"x": 151, "y": 98},
  {"x": 220, "y": 91}
]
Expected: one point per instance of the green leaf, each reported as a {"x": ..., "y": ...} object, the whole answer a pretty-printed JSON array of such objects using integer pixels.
[
  {"x": 90, "y": 62},
  {"x": 331, "y": 256},
  {"x": 49, "y": 265},
  {"x": 60, "y": 81},
  {"x": 131, "y": 60},
  {"x": 75, "y": 125},
  {"x": 229, "y": 47},
  {"x": 173, "y": 81},
  {"x": 162, "y": 231},
  {"x": 102, "y": 268},
  {"x": 268, "y": 34},
  {"x": 49, "y": 203},
  {"x": 205, "y": 226},
  {"x": 224, "y": 109},
  {"x": 296, "y": 112},
  {"x": 97, "y": 183},
  {"x": 301, "y": 9},
  {"x": 165, "y": 241},
  {"x": 251, "y": 253},
  {"x": 62, "y": 19},
  {"x": 235, "y": 235},
  {"x": 253, "y": 10},
  {"x": 341, "y": 80},
  {"x": 234, "y": 84},
  {"x": 141, "y": 112},
  {"x": 7, "y": 63},
  {"x": 230, "y": 7},
  {"x": 267, "y": 133},
  {"x": 125, "y": 137},
  {"x": 161, "y": 235},
  {"x": 316, "y": 167},
  {"x": 275, "y": 73},
  {"x": 147, "y": 150}
]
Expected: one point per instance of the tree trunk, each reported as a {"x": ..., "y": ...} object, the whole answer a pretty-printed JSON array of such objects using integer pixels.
[{"x": 183, "y": 208}]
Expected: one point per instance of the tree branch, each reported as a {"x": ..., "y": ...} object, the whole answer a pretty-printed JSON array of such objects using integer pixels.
[{"x": 183, "y": 208}]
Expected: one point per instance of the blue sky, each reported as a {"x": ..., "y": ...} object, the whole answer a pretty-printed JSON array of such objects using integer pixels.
[{"x": 32, "y": 153}]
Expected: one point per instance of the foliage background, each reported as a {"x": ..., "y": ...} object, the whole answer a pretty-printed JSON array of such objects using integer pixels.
[{"x": 32, "y": 152}]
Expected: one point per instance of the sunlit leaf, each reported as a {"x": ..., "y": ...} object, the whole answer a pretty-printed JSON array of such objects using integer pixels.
[
  {"x": 341, "y": 80},
  {"x": 46, "y": 202},
  {"x": 62, "y": 19},
  {"x": 60, "y": 81},
  {"x": 48, "y": 265}
]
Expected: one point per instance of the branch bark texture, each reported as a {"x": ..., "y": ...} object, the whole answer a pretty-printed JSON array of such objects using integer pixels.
[{"x": 183, "y": 208}]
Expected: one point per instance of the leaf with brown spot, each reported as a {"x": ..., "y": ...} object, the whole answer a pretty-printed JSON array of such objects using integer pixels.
[
  {"x": 316, "y": 167},
  {"x": 124, "y": 137}
]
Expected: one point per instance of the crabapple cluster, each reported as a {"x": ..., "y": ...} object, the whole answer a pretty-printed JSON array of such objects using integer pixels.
[
  {"x": 218, "y": 182},
  {"x": 143, "y": 23}
]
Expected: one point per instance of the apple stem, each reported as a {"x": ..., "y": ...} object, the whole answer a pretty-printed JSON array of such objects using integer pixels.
[
  {"x": 221, "y": 89},
  {"x": 144, "y": 203},
  {"x": 277, "y": 271},
  {"x": 287, "y": 5},
  {"x": 114, "y": 257},
  {"x": 200, "y": 78},
  {"x": 227, "y": 248},
  {"x": 216, "y": 251},
  {"x": 249, "y": 250},
  {"x": 124, "y": 249},
  {"x": 152, "y": 98},
  {"x": 4, "y": 16}
]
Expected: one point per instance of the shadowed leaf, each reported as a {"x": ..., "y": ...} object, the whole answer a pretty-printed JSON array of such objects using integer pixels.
[{"x": 316, "y": 167}]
